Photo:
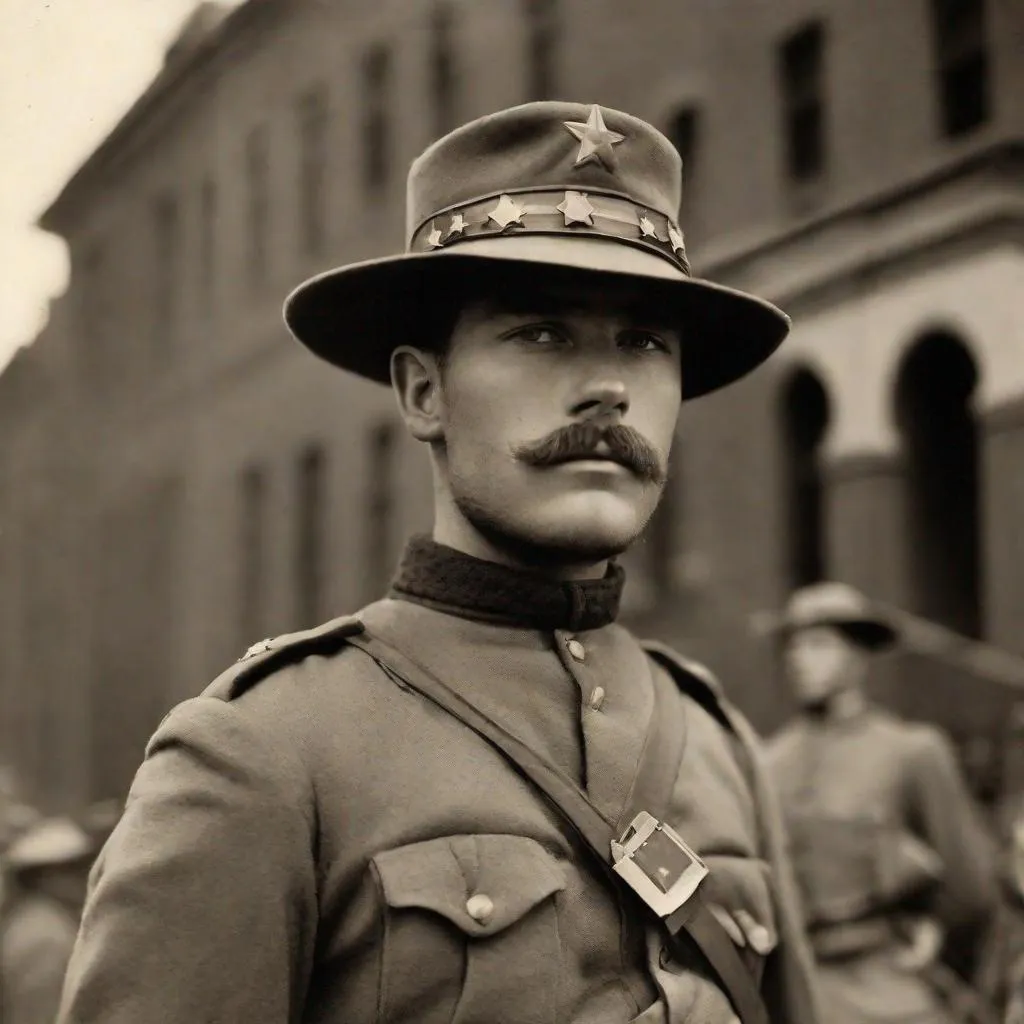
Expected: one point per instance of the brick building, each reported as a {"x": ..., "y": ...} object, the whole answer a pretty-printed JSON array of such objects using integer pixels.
[{"x": 179, "y": 479}]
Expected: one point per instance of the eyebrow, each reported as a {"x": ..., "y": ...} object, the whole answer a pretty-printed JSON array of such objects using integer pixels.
[{"x": 552, "y": 305}]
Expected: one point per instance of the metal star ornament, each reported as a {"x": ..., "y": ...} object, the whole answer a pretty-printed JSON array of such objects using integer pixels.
[
  {"x": 596, "y": 140},
  {"x": 434, "y": 238},
  {"x": 506, "y": 212},
  {"x": 456, "y": 228},
  {"x": 576, "y": 209}
]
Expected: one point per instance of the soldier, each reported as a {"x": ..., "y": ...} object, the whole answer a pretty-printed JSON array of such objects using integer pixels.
[
  {"x": 480, "y": 799},
  {"x": 889, "y": 852},
  {"x": 46, "y": 867}
]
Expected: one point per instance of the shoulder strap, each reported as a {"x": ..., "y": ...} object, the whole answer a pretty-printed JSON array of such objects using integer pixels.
[
  {"x": 693, "y": 919},
  {"x": 268, "y": 656}
]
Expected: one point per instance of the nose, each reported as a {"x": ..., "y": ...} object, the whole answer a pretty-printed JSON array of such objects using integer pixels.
[{"x": 601, "y": 396}]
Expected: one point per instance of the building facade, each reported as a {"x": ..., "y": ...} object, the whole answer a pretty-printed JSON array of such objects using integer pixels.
[{"x": 180, "y": 479}]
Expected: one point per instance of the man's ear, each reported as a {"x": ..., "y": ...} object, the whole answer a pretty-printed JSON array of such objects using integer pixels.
[{"x": 416, "y": 379}]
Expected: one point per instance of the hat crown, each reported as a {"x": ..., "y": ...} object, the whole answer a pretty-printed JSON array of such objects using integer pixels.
[
  {"x": 825, "y": 602},
  {"x": 51, "y": 841},
  {"x": 541, "y": 145}
]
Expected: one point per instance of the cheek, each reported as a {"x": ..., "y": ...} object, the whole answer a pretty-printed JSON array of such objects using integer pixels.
[{"x": 655, "y": 409}]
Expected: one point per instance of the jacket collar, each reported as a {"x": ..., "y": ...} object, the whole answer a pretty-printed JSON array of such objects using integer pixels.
[{"x": 441, "y": 577}]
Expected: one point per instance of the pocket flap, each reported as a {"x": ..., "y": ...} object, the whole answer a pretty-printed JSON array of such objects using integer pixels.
[{"x": 481, "y": 883}]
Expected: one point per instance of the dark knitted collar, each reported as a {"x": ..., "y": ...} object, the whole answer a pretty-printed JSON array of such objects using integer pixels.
[{"x": 451, "y": 581}]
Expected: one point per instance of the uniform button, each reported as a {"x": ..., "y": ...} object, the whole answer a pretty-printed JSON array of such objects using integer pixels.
[
  {"x": 576, "y": 649},
  {"x": 480, "y": 908},
  {"x": 596, "y": 698}
]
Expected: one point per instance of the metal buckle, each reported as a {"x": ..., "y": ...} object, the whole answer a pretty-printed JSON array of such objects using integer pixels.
[{"x": 657, "y": 864}]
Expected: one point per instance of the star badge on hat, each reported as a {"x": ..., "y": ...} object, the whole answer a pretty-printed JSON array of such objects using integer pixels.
[
  {"x": 456, "y": 228},
  {"x": 576, "y": 208},
  {"x": 506, "y": 212},
  {"x": 596, "y": 140}
]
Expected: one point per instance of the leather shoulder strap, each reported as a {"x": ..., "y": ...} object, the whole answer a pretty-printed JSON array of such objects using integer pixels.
[{"x": 694, "y": 919}]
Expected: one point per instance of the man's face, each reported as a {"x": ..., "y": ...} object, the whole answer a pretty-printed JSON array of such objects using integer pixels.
[
  {"x": 820, "y": 661},
  {"x": 529, "y": 382}
]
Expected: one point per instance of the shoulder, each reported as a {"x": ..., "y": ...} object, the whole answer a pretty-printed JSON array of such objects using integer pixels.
[
  {"x": 783, "y": 745},
  {"x": 272, "y": 656},
  {"x": 269, "y": 708},
  {"x": 694, "y": 679}
]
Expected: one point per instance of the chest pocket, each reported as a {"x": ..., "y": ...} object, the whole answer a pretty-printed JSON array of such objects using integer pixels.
[{"x": 470, "y": 931}]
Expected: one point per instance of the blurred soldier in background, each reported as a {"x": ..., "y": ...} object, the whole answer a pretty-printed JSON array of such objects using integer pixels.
[
  {"x": 480, "y": 799},
  {"x": 889, "y": 850},
  {"x": 46, "y": 869}
]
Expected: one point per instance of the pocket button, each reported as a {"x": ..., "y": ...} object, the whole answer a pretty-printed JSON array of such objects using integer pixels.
[{"x": 480, "y": 907}]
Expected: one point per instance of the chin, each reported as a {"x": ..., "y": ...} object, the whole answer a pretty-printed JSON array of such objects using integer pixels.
[{"x": 580, "y": 529}]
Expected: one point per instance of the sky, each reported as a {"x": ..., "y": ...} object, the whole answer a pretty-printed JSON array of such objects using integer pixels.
[{"x": 70, "y": 70}]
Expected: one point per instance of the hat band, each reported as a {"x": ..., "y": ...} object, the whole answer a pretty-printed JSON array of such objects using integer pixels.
[{"x": 561, "y": 212}]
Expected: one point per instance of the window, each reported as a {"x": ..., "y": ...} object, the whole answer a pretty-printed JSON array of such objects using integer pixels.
[
  {"x": 207, "y": 246},
  {"x": 802, "y": 83},
  {"x": 442, "y": 66},
  {"x": 380, "y": 510},
  {"x": 376, "y": 89},
  {"x": 258, "y": 184},
  {"x": 542, "y": 42},
  {"x": 805, "y": 416},
  {"x": 310, "y": 553},
  {"x": 682, "y": 131},
  {"x": 252, "y": 557},
  {"x": 312, "y": 110},
  {"x": 168, "y": 242},
  {"x": 961, "y": 58}
]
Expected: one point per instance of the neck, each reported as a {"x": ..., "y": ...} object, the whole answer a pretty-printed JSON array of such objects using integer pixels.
[
  {"x": 840, "y": 706},
  {"x": 457, "y": 533}
]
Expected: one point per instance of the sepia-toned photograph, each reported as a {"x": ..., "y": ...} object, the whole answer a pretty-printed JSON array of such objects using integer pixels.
[{"x": 512, "y": 512}]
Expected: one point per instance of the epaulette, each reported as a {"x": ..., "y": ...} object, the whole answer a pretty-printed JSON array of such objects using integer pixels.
[
  {"x": 694, "y": 679},
  {"x": 268, "y": 656}
]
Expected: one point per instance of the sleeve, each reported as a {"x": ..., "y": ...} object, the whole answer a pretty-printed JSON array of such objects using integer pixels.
[
  {"x": 944, "y": 811},
  {"x": 202, "y": 904}
]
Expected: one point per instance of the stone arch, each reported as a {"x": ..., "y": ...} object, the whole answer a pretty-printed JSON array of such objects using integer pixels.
[
  {"x": 804, "y": 414},
  {"x": 933, "y": 408}
]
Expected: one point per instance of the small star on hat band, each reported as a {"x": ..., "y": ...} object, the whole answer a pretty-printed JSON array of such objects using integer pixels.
[
  {"x": 506, "y": 212},
  {"x": 561, "y": 211},
  {"x": 576, "y": 208}
]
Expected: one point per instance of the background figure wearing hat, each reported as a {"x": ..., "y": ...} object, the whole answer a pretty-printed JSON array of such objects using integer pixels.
[
  {"x": 889, "y": 851},
  {"x": 312, "y": 839},
  {"x": 46, "y": 869}
]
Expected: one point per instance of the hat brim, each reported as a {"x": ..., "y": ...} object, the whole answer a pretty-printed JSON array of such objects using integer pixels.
[
  {"x": 355, "y": 316},
  {"x": 874, "y": 634}
]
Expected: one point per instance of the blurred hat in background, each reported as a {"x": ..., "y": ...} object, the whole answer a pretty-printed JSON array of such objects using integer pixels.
[
  {"x": 837, "y": 605},
  {"x": 48, "y": 843}
]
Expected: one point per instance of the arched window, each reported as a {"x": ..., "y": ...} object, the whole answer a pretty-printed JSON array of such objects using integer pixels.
[
  {"x": 940, "y": 447},
  {"x": 804, "y": 415}
]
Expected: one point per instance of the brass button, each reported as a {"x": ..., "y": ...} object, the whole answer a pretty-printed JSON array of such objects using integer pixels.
[
  {"x": 596, "y": 698},
  {"x": 576, "y": 649},
  {"x": 480, "y": 907}
]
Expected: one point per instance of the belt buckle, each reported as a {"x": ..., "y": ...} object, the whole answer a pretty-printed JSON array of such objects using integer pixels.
[{"x": 657, "y": 864}]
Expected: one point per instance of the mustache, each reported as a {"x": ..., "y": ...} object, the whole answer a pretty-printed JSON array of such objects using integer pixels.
[{"x": 626, "y": 446}]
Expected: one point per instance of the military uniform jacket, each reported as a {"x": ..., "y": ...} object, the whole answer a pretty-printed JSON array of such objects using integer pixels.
[
  {"x": 326, "y": 846},
  {"x": 905, "y": 774}
]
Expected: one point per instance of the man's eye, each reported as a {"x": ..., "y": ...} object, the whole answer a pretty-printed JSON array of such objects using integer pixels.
[
  {"x": 537, "y": 334},
  {"x": 643, "y": 341}
]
